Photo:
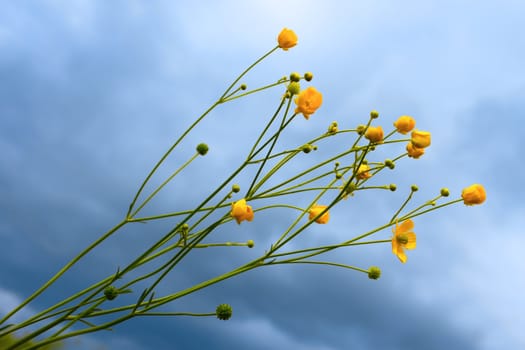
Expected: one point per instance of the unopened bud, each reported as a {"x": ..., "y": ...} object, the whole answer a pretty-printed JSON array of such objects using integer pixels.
[
  {"x": 224, "y": 312},
  {"x": 445, "y": 192},
  {"x": 236, "y": 188},
  {"x": 374, "y": 272},
  {"x": 202, "y": 148},
  {"x": 308, "y": 76},
  {"x": 110, "y": 292},
  {"x": 295, "y": 76},
  {"x": 374, "y": 114}
]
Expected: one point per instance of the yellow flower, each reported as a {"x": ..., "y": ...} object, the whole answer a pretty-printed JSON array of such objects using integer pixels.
[
  {"x": 414, "y": 152},
  {"x": 316, "y": 210},
  {"x": 474, "y": 194},
  {"x": 362, "y": 172},
  {"x": 404, "y": 124},
  {"x": 402, "y": 239},
  {"x": 287, "y": 39},
  {"x": 374, "y": 134},
  {"x": 241, "y": 211},
  {"x": 308, "y": 101},
  {"x": 420, "y": 139}
]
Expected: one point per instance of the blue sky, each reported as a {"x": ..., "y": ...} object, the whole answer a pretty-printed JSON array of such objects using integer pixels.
[{"x": 93, "y": 92}]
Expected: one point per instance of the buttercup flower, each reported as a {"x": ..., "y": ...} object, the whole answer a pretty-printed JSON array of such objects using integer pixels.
[
  {"x": 420, "y": 139},
  {"x": 414, "y": 152},
  {"x": 241, "y": 211},
  {"x": 362, "y": 172},
  {"x": 404, "y": 124},
  {"x": 308, "y": 101},
  {"x": 287, "y": 39},
  {"x": 316, "y": 210},
  {"x": 374, "y": 134},
  {"x": 474, "y": 194},
  {"x": 402, "y": 239}
]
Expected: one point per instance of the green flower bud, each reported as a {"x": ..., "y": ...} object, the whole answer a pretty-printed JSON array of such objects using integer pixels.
[
  {"x": 224, "y": 312},
  {"x": 307, "y": 148},
  {"x": 389, "y": 163},
  {"x": 250, "y": 243},
  {"x": 374, "y": 114},
  {"x": 338, "y": 175},
  {"x": 243, "y": 86},
  {"x": 374, "y": 272},
  {"x": 236, "y": 188},
  {"x": 361, "y": 129},
  {"x": 202, "y": 148},
  {"x": 392, "y": 187},
  {"x": 294, "y": 88},
  {"x": 445, "y": 192},
  {"x": 295, "y": 76},
  {"x": 308, "y": 76},
  {"x": 332, "y": 129},
  {"x": 350, "y": 187},
  {"x": 414, "y": 188},
  {"x": 110, "y": 292}
]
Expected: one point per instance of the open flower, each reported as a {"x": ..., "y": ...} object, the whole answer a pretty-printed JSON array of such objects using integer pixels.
[
  {"x": 316, "y": 210},
  {"x": 403, "y": 238},
  {"x": 374, "y": 134},
  {"x": 414, "y": 152},
  {"x": 420, "y": 139},
  {"x": 287, "y": 39},
  {"x": 362, "y": 172},
  {"x": 404, "y": 124},
  {"x": 308, "y": 101},
  {"x": 241, "y": 211},
  {"x": 474, "y": 194}
]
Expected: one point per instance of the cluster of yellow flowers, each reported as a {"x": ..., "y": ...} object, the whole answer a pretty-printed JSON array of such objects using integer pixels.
[{"x": 307, "y": 102}]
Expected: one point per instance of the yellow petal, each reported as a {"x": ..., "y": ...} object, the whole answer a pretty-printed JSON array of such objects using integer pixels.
[
  {"x": 401, "y": 254},
  {"x": 411, "y": 244},
  {"x": 407, "y": 225}
]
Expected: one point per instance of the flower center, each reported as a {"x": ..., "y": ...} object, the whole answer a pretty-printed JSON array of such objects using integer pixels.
[{"x": 402, "y": 238}]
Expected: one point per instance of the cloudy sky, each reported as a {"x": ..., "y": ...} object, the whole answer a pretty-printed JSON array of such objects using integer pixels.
[{"x": 93, "y": 92}]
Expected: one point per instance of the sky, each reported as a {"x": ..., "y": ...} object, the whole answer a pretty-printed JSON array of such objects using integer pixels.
[{"x": 92, "y": 93}]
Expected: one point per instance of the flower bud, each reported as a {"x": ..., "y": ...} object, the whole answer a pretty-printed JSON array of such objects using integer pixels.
[
  {"x": 445, "y": 192},
  {"x": 374, "y": 134},
  {"x": 374, "y": 114},
  {"x": 420, "y": 139},
  {"x": 404, "y": 124},
  {"x": 202, "y": 148},
  {"x": 307, "y": 148},
  {"x": 361, "y": 129},
  {"x": 240, "y": 211},
  {"x": 338, "y": 175},
  {"x": 236, "y": 188},
  {"x": 414, "y": 188},
  {"x": 362, "y": 172},
  {"x": 474, "y": 194},
  {"x": 332, "y": 129},
  {"x": 287, "y": 39},
  {"x": 250, "y": 243},
  {"x": 308, "y": 76},
  {"x": 316, "y": 210},
  {"x": 392, "y": 187},
  {"x": 110, "y": 292},
  {"x": 374, "y": 272},
  {"x": 413, "y": 151},
  {"x": 295, "y": 77},
  {"x": 294, "y": 88},
  {"x": 224, "y": 312},
  {"x": 389, "y": 163},
  {"x": 243, "y": 87}
]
